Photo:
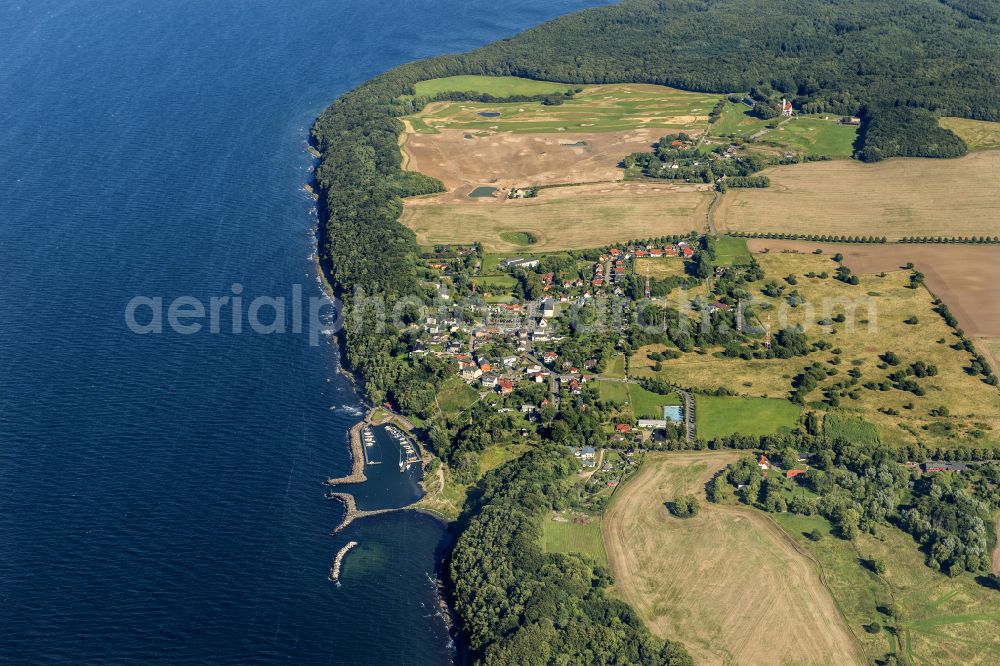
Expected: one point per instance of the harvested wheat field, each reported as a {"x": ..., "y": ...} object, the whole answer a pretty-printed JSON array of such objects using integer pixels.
[
  {"x": 728, "y": 582},
  {"x": 461, "y": 159},
  {"x": 562, "y": 218},
  {"x": 896, "y": 198}
]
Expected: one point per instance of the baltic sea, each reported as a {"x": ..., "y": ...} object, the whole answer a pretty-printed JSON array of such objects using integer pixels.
[{"x": 161, "y": 496}]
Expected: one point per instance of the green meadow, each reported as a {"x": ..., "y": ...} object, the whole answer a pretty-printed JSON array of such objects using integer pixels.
[
  {"x": 568, "y": 536},
  {"x": 937, "y": 619},
  {"x": 718, "y": 416},
  {"x": 498, "y": 86},
  {"x": 731, "y": 250},
  {"x": 809, "y": 134},
  {"x": 649, "y": 405},
  {"x": 602, "y": 108}
]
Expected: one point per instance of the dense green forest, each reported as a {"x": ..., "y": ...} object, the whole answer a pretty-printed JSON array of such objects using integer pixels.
[{"x": 522, "y": 606}]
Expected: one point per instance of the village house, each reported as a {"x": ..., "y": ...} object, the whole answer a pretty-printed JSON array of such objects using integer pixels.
[
  {"x": 519, "y": 262},
  {"x": 762, "y": 462},
  {"x": 792, "y": 473},
  {"x": 505, "y": 386},
  {"x": 585, "y": 455},
  {"x": 548, "y": 308}
]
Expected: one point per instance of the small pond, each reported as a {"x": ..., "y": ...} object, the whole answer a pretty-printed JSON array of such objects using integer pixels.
[
  {"x": 482, "y": 192},
  {"x": 489, "y": 114}
]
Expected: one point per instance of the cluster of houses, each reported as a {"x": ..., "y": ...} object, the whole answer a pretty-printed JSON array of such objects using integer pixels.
[{"x": 681, "y": 249}]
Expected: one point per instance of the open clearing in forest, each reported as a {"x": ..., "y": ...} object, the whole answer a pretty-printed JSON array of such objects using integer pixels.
[
  {"x": 563, "y": 218},
  {"x": 895, "y": 198},
  {"x": 878, "y": 308},
  {"x": 728, "y": 582},
  {"x": 599, "y": 108},
  {"x": 573, "y": 532},
  {"x": 965, "y": 277}
]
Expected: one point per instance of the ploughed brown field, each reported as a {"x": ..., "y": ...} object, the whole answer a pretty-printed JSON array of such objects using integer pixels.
[
  {"x": 464, "y": 159},
  {"x": 895, "y": 198},
  {"x": 728, "y": 583},
  {"x": 965, "y": 277}
]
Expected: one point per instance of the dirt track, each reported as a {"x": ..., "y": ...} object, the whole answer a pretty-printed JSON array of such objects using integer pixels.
[{"x": 728, "y": 583}]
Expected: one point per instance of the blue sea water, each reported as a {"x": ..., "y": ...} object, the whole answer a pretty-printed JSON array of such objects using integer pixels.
[{"x": 161, "y": 496}]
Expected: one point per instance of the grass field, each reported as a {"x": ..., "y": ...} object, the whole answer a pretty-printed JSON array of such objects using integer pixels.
[
  {"x": 977, "y": 134},
  {"x": 736, "y": 119},
  {"x": 943, "y": 620},
  {"x": 615, "y": 367},
  {"x": 456, "y": 396},
  {"x": 613, "y": 391},
  {"x": 895, "y": 198},
  {"x": 808, "y": 134},
  {"x": 718, "y": 416},
  {"x": 730, "y": 250},
  {"x": 813, "y": 135},
  {"x": 498, "y": 86},
  {"x": 496, "y": 288},
  {"x": 728, "y": 583},
  {"x": 849, "y": 428},
  {"x": 884, "y": 303},
  {"x": 600, "y": 108},
  {"x": 562, "y": 218},
  {"x": 660, "y": 268},
  {"x": 569, "y": 532},
  {"x": 649, "y": 405},
  {"x": 522, "y": 238}
]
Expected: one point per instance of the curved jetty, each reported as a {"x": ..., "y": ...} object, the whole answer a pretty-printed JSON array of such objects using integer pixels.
[{"x": 338, "y": 560}]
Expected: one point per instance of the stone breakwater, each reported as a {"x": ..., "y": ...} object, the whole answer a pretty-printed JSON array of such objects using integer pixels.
[
  {"x": 339, "y": 559},
  {"x": 357, "y": 474},
  {"x": 351, "y": 511}
]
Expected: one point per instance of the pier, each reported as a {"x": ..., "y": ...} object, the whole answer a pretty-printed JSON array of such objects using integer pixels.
[
  {"x": 339, "y": 559},
  {"x": 407, "y": 452},
  {"x": 358, "y": 458}
]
